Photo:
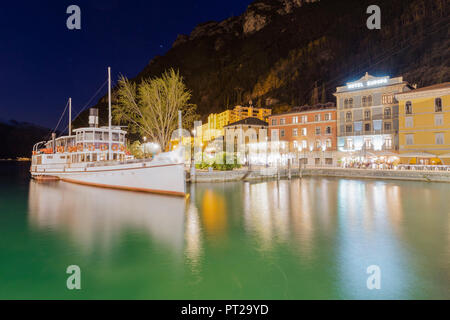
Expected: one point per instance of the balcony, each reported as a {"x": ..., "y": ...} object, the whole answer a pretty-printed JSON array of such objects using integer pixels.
[{"x": 367, "y": 133}]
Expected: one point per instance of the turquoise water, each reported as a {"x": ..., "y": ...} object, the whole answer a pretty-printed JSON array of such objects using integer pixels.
[{"x": 302, "y": 239}]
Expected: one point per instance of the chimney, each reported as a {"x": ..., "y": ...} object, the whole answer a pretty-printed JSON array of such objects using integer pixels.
[{"x": 93, "y": 118}]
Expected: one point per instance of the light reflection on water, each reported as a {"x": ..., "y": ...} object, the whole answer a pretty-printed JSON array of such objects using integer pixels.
[{"x": 308, "y": 238}]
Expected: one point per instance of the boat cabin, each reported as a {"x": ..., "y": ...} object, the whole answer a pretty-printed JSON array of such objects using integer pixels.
[{"x": 91, "y": 144}]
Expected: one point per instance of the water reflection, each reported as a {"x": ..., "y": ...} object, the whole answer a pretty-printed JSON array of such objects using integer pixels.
[{"x": 96, "y": 218}]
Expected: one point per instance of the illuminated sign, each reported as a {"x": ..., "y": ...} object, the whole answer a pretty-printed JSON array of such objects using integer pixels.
[{"x": 368, "y": 83}]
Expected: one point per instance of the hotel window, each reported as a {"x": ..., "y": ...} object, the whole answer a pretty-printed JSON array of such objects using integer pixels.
[
  {"x": 367, "y": 115},
  {"x": 350, "y": 103},
  {"x": 409, "y": 139},
  {"x": 408, "y": 107},
  {"x": 318, "y": 144},
  {"x": 438, "y": 105},
  {"x": 274, "y": 122},
  {"x": 317, "y": 117},
  {"x": 304, "y": 119},
  {"x": 304, "y": 144},
  {"x": 327, "y": 116},
  {"x": 387, "y": 113},
  {"x": 282, "y": 133},
  {"x": 282, "y": 121},
  {"x": 439, "y": 138},
  {"x": 388, "y": 143},
  {"x": 328, "y": 130},
  {"x": 317, "y": 131},
  {"x": 439, "y": 120},
  {"x": 348, "y": 128},
  {"x": 349, "y": 144},
  {"x": 408, "y": 122},
  {"x": 348, "y": 116},
  {"x": 387, "y": 99},
  {"x": 367, "y": 127},
  {"x": 294, "y": 119},
  {"x": 295, "y": 132},
  {"x": 328, "y": 143},
  {"x": 387, "y": 126},
  {"x": 295, "y": 144},
  {"x": 304, "y": 132}
]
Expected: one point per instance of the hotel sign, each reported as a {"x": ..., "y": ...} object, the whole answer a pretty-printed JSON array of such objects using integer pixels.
[{"x": 368, "y": 83}]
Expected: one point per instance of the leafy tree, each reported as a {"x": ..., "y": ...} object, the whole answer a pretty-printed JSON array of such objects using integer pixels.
[{"x": 151, "y": 107}]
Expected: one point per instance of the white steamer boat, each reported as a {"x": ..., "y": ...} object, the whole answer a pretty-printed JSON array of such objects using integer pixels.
[{"x": 98, "y": 157}]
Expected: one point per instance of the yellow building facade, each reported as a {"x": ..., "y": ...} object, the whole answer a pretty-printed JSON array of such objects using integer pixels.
[
  {"x": 217, "y": 121},
  {"x": 424, "y": 125}
]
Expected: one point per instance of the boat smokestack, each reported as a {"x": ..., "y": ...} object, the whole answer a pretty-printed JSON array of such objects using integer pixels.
[{"x": 93, "y": 118}]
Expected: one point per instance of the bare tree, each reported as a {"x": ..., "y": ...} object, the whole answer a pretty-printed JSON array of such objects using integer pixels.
[{"x": 151, "y": 107}]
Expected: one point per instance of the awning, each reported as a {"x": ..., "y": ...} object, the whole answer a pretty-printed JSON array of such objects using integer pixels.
[{"x": 417, "y": 155}]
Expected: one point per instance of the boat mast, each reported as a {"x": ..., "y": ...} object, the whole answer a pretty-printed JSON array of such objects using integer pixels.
[
  {"x": 109, "y": 112},
  {"x": 70, "y": 117}
]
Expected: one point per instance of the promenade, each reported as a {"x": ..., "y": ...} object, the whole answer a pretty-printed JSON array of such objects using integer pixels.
[{"x": 262, "y": 173}]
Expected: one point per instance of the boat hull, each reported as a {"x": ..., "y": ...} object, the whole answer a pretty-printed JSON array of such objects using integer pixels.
[{"x": 142, "y": 177}]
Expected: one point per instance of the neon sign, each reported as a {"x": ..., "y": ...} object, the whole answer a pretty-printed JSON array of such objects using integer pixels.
[{"x": 368, "y": 83}]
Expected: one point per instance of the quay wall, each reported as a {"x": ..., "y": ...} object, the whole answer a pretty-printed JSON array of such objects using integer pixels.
[{"x": 274, "y": 173}]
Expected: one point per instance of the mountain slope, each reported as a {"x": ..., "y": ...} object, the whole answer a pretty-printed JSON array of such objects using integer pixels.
[
  {"x": 19, "y": 138},
  {"x": 279, "y": 50}
]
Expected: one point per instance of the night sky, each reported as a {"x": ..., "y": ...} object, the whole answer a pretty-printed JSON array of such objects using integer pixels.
[{"x": 42, "y": 63}]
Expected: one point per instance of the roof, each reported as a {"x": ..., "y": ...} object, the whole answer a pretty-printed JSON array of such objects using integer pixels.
[
  {"x": 249, "y": 121},
  {"x": 444, "y": 85},
  {"x": 307, "y": 108}
]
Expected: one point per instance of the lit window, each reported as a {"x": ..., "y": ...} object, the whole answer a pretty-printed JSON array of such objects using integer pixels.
[
  {"x": 304, "y": 132},
  {"x": 304, "y": 119},
  {"x": 295, "y": 132},
  {"x": 348, "y": 116},
  {"x": 408, "y": 122},
  {"x": 439, "y": 120},
  {"x": 349, "y": 144},
  {"x": 439, "y": 137},
  {"x": 304, "y": 144},
  {"x": 409, "y": 139},
  {"x": 294, "y": 119},
  {"x": 350, "y": 103},
  {"x": 388, "y": 143},
  {"x": 328, "y": 143}
]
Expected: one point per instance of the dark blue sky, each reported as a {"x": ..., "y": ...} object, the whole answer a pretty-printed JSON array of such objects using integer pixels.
[{"x": 42, "y": 63}]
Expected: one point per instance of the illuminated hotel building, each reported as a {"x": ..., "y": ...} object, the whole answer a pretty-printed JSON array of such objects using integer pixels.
[{"x": 367, "y": 114}]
